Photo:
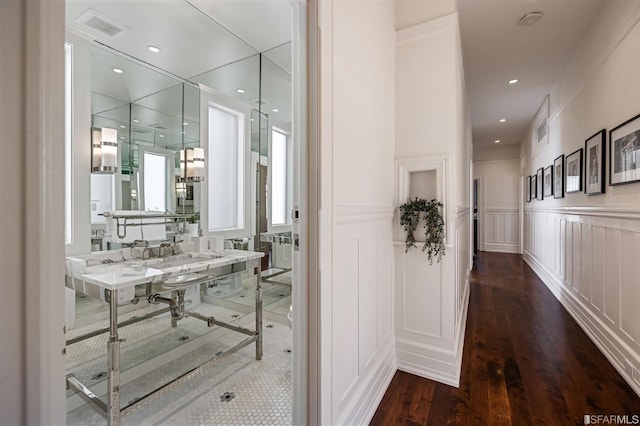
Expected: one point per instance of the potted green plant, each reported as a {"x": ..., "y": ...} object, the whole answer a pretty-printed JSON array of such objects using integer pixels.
[
  {"x": 194, "y": 224},
  {"x": 430, "y": 212}
]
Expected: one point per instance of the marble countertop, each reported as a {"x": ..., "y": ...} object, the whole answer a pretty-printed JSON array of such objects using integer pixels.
[{"x": 124, "y": 268}]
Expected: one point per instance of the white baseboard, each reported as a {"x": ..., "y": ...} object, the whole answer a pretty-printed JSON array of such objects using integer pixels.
[
  {"x": 371, "y": 388},
  {"x": 613, "y": 348},
  {"x": 501, "y": 248},
  {"x": 441, "y": 364}
]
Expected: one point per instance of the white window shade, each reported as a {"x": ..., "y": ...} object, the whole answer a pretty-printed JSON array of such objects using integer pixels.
[
  {"x": 225, "y": 178},
  {"x": 280, "y": 181}
]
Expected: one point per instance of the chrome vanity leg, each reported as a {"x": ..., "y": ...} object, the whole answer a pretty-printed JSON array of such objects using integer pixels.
[
  {"x": 113, "y": 364},
  {"x": 259, "y": 313}
]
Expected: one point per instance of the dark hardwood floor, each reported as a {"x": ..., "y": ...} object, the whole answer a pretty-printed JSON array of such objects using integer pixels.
[{"x": 525, "y": 362}]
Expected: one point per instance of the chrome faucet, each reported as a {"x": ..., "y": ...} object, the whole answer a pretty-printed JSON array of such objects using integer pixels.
[
  {"x": 145, "y": 244},
  {"x": 166, "y": 248}
]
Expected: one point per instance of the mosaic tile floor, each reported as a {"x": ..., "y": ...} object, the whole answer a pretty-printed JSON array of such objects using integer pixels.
[{"x": 236, "y": 390}]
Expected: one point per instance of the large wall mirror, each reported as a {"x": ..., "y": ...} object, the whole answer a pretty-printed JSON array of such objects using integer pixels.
[{"x": 205, "y": 78}]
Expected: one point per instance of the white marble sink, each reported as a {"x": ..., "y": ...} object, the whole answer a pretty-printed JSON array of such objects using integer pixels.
[{"x": 125, "y": 269}]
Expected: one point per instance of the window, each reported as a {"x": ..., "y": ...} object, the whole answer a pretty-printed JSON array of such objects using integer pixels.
[
  {"x": 155, "y": 182},
  {"x": 68, "y": 141},
  {"x": 156, "y": 179},
  {"x": 226, "y": 169},
  {"x": 280, "y": 169}
]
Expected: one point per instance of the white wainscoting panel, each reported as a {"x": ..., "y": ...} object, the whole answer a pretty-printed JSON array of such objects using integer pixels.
[
  {"x": 588, "y": 257},
  {"x": 430, "y": 307},
  {"x": 501, "y": 230},
  {"x": 363, "y": 358}
]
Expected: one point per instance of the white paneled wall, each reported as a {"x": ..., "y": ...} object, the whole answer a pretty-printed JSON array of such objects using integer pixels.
[
  {"x": 363, "y": 345},
  {"x": 498, "y": 213},
  {"x": 501, "y": 230},
  {"x": 588, "y": 257},
  {"x": 431, "y": 303}
]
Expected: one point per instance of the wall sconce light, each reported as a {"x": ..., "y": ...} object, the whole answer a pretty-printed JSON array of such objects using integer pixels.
[
  {"x": 192, "y": 164},
  {"x": 104, "y": 150},
  {"x": 181, "y": 189}
]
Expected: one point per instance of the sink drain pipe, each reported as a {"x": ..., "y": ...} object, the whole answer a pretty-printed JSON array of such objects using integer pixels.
[{"x": 177, "y": 308}]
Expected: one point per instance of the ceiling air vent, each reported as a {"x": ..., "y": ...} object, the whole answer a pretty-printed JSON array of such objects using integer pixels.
[
  {"x": 96, "y": 22},
  {"x": 530, "y": 18},
  {"x": 157, "y": 126}
]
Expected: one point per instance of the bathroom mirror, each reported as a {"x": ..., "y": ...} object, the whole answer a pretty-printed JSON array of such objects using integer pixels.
[{"x": 151, "y": 111}]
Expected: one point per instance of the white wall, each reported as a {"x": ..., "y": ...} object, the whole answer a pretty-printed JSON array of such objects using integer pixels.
[
  {"x": 432, "y": 125},
  {"x": 585, "y": 248},
  {"x": 356, "y": 168},
  {"x": 498, "y": 205}
]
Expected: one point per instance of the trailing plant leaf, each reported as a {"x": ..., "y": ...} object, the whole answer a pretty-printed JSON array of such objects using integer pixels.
[{"x": 431, "y": 211}]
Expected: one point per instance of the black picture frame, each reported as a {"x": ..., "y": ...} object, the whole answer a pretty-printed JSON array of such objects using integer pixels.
[
  {"x": 547, "y": 188},
  {"x": 558, "y": 177},
  {"x": 540, "y": 184},
  {"x": 624, "y": 152},
  {"x": 527, "y": 188},
  {"x": 594, "y": 163},
  {"x": 573, "y": 172},
  {"x": 534, "y": 187}
]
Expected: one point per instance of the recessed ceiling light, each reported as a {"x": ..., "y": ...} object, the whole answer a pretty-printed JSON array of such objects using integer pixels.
[
  {"x": 162, "y": 136},
  {"x": 275, "y": 110},
  {"x": 121, "y": 137},
  {"x": 253, "y": 119},
  {"x": 185, "y": 123},
  {"x": 513, "y": 81},
  {"x": 183, "y": 132},
  {"x": 496, "y": 141},
  {"x": 153, "y": 49},
  {"x": 123, "y": 126},
  {"x": 240, "y": 90},
  {"x": 117, "y": 70},
  {"x": 502, "y": 120},
  {"x": 136, "y": 121}
]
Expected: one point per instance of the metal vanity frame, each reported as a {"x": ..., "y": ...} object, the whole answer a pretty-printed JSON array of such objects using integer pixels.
[{"x": 111, "y": 409}]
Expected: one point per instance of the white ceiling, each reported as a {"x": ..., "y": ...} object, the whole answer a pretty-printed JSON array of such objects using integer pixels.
[
  {"x": 212, "y": 42},
  {"x": 199, "y": 38},
  {"x": 495, "y": 49}
]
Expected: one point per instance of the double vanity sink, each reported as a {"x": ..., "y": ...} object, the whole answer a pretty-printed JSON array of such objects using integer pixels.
[
  {"x": 125, "y": 275},
  {"x": 124, "y": 269}
]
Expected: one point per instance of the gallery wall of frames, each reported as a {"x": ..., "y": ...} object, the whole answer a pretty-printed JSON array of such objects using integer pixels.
[{"x": 581, "y": 215}]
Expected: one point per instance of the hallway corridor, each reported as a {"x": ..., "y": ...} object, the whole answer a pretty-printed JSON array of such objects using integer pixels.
[{"x": 525, "y": 362}]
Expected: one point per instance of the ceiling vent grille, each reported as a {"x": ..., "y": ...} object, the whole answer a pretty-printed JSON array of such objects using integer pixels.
[
  {"x": 96, "y": 22},
  {"x": 157, "y": 126},
  {"x": 530, "y": 18}
]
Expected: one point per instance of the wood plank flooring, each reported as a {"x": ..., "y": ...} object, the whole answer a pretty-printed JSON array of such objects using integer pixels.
[{"x": 525, "y": 362}]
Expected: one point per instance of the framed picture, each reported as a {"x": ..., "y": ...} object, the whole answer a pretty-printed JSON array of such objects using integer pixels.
[
  {"x": 534, "y": 186},
  {"x": 624, "y": 152},
  {"x": 540, "y": 184},
  {"x": 548, "y": 182},
  {"x": 558, "y": 175},
  {"x": 594, "y": 158},
  {"x": 573, "y": 170},
  {"x": 540, "y": 135},
  {"x": 527, "y": 188}
]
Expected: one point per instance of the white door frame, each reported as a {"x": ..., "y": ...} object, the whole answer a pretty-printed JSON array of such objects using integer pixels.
[
  {"x": 36, "y": 373},
  {"x": 32, "y": 264}
]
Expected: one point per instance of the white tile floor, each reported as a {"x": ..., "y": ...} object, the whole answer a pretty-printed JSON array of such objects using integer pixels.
[{"x": 257, "y": 392}]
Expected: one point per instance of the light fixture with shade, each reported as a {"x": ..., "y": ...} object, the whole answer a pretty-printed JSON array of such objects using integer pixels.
[
  {"x": 181, "y": 189},
  {"x": 192, "y": 164},
  {"x": 104, "y": 150}
]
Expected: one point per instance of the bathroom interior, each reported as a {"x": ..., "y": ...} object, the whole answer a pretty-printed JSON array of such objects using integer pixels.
[{"x": 180, "y": 257}]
